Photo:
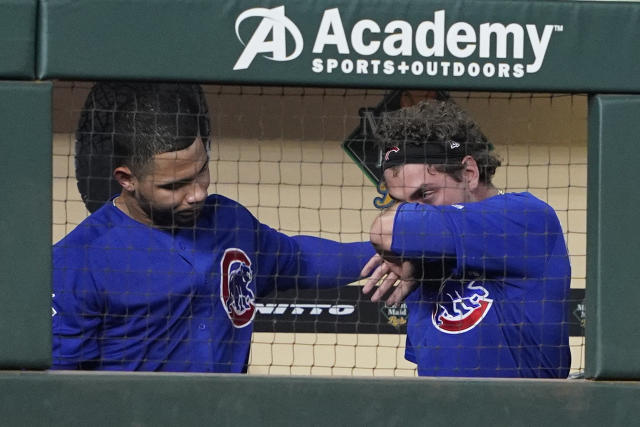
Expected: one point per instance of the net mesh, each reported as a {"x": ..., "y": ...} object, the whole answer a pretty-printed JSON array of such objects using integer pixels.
[{"x": 278, "y": 151}]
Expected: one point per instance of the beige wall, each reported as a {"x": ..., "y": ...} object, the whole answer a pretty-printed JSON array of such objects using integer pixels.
[{"x": 277, "y": 151}]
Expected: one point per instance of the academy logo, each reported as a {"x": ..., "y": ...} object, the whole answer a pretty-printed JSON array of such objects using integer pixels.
[
  {"x": 461, "y": 307},
  {"x": 270, "y": 36},
  {"x": 435, "y": 46},
  {"x": 237, "y": 297}
]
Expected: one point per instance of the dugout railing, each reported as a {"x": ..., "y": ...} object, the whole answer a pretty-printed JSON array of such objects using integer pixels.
[{"x": 588, "y": 47}]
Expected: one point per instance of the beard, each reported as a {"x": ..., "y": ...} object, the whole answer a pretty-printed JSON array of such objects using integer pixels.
[{"x": 168, "y": 217}]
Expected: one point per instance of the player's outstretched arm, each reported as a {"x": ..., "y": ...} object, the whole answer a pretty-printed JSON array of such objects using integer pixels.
[
  {"x": 325, "y": 263},
  {"x": 301, "y": 261}
]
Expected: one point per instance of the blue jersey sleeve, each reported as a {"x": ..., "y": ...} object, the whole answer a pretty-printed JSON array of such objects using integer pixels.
[
  {"x": 510, "y": 235},
  {"x": 325, "y": 263},
  {"x": 310, "y": 262},
  {"x": 76, "y": 311}
]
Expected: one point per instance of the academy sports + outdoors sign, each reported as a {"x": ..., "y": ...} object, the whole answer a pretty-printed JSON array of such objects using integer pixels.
[
  {"x": 491, "y": 49},
  {"x": 437, "y": 44}
]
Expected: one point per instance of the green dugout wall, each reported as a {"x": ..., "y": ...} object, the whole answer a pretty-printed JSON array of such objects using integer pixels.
[
  {"x": 17, "y": 38},
  {"x": 25, "y": 220},
  {"x": 25, "y": 269},
  {"x": 563, "y": 46},
  {"x": 549, "y": 46},
  {"x": 612, "y": 232}
]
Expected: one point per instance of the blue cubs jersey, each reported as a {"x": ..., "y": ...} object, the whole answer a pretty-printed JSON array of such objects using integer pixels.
[
  {"x": 501, "y": 309},
  {"x": 132, "y": 297}
]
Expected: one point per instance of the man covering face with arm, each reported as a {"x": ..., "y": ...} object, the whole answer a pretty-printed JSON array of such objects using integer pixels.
[{"x": 486, "y": 275}]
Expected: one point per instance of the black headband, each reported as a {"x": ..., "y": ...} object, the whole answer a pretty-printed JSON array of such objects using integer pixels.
[{"x": 430, "y": 152}]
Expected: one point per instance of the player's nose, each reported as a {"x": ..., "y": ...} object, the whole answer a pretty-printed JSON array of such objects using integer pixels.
[{"x": 197, "y": 193}]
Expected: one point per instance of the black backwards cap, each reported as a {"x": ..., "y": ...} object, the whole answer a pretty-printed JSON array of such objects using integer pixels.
[{"x": 431, "y": 152}]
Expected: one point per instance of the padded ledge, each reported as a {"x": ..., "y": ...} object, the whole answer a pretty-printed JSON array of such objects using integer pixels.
[{"x": 147, "y": 399}]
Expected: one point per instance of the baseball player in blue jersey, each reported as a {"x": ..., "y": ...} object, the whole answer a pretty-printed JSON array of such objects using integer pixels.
[
  {"x": 164, "y": 277},
  {"x": 485, "y": 275}
]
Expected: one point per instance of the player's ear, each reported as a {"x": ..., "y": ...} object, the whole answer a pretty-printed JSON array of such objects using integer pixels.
[
  {"x": 471, "y": 173},
  {"x": 125, "y": 177}
]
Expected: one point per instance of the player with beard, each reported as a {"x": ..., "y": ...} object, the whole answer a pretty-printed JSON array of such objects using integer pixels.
[{"x": 164, "y": 277}]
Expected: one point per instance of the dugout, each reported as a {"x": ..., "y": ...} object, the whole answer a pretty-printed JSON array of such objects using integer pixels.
[{"x": 589, "y": 47}]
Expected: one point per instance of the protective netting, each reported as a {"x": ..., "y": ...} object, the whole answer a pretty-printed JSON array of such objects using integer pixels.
[{"x": 298, "y": 160}]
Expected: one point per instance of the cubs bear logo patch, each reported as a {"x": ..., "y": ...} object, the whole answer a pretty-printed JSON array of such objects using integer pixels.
[
  {"x": 460, "y": 307},
  {"x": 237, "y": 297}
]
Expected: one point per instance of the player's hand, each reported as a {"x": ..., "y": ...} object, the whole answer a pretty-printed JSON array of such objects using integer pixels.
[
  {"x": 402, "y": 289},
  {"x": 388, "y": 273},
  {"x": 378, "y": 271}
]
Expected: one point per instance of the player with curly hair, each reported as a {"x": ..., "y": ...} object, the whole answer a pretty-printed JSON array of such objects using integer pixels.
[{"x": 485, "y": 275}]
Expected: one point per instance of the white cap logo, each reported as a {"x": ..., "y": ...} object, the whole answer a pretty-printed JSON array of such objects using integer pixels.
[{"x": 269, "y": 37}]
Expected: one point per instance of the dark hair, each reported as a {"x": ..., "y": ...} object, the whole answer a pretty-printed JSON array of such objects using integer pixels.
[
  {"x": 127, "y": 123},
  {"x": 437, "y": 124}
]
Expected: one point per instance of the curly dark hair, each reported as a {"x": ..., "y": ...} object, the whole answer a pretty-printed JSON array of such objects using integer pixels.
[{"x": 439, "y": 122}]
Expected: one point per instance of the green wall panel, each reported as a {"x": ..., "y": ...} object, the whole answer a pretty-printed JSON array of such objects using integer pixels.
[
  {"x": 613, "y": 238},
  {"x": 17, "y": 38},
  {"x": 551, "y": 46},
  {"x": 25, "y": 225},
  {"x": 101, "y": 399}
]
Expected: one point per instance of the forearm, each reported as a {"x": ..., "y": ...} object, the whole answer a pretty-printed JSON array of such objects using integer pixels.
[
  {"x": 494, "y": 238},
  {"x": 325, "y": 263},
  {"x": 381, "y": 233},
  {"x": 418, "y": 232}
]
